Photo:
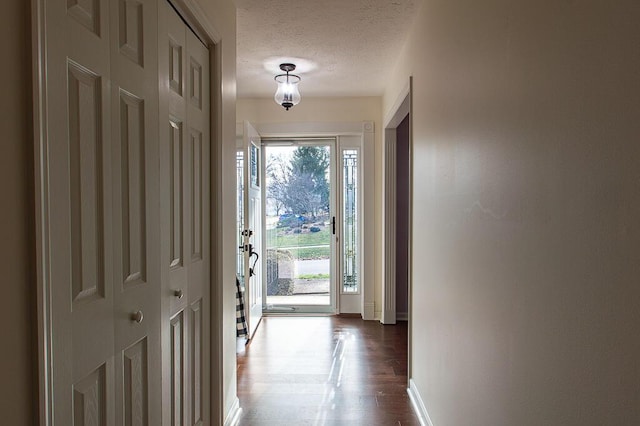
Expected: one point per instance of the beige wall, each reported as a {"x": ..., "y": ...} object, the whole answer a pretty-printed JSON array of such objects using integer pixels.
[
  {"x": 526, "y": 241},
  {"x": 17, "y": 390},
  {"x": 317, "y": 110}
]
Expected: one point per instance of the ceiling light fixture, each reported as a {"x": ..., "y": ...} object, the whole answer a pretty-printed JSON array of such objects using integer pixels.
[{"x": 287, "y": 94}]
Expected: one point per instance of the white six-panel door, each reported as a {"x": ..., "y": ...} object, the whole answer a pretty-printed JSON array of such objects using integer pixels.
[
  {"x": 117, "y": 320},
  {"x": 136, "y": 260},
  {"x": 185, "y": 198},
  {"x": 103, "y": 150}
]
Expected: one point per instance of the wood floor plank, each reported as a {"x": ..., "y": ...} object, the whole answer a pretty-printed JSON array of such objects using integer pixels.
[{"x": 325, "y": 371}]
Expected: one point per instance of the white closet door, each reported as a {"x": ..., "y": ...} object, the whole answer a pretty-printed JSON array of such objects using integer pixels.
[
  {"x": 185, "y": 206},
  {"x": 79, "y": 213},
  {"x": 127, "y": 213},
  {"x": 136, "y": 218},
  {"x": 103, "y": 225},
  {"x": 199, "y": 276}
]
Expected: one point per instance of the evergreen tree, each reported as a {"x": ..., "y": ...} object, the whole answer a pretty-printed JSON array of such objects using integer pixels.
[{"x": 312, "y": 162}]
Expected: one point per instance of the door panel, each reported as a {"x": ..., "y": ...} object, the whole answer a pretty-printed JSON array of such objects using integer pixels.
[
  {"x": 177, "y": 371},
  {"x": 90, "y": 399},
  {"x": 253, "y": 224},
  {"x": 175, "y": 195},
  {"x": 133, "y": 190},
  {"x": 196, "y": 195},
  {"x": 131, "y": 30},
  {"x": 136, "y": 385},
  {"x": 196, "y": 391},
  {"x": 87, "y": 192}
]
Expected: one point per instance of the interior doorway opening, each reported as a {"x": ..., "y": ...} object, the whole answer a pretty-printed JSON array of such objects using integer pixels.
[
  {"x": 396, "y": 294},
  {"x": 402, "y": 184},
  {"x": 350, "y": 150}
]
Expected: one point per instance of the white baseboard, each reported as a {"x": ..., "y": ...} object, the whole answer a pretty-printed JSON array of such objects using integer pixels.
[
  {"x": 418, "y": 404},
  {"x": 402, "y": 316},
  {"x": 233, "y": 417}
]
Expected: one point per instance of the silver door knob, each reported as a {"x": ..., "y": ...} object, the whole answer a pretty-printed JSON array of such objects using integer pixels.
[
  {"x": 137, "y": 317},
  {"x": 178, "y": 294}
]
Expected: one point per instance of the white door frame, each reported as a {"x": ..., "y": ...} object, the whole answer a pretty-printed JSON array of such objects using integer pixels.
[
  {"x": 401, "y": 108},
  {"x": 366, "y": 130},
  {"x": 196, "y": 19},
  {"x": 334, "y": 301}
]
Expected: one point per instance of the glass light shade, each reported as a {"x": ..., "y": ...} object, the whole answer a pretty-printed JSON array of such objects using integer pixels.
[{"x": 287, "y": 94}]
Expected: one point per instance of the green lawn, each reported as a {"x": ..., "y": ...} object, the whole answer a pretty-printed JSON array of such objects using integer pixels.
[
  {"x": 298, "y": 240},
  {"x": 311, "y": 253},
  {"x": 314, "y": 276},
  {"x": 304, "y": 243}
]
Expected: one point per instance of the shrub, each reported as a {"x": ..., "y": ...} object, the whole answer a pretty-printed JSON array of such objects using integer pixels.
[{"x": 314, "y": 229}]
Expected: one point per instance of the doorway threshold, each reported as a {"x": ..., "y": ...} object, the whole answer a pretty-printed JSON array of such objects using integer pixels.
[
  {"x": 297, "y": 314},
  {"x": 321, "y": 300}
]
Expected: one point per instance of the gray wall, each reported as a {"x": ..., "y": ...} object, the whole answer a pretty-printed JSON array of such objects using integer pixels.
[
  {"x": 17, "y": 390},
  {"x": 526, "y": 238}
]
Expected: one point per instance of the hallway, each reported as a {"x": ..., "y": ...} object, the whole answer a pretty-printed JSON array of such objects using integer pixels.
[{"x": 325, "y": 371}]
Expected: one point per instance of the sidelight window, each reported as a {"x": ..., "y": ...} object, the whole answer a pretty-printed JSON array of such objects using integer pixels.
[{"x": 350, "y": 264}]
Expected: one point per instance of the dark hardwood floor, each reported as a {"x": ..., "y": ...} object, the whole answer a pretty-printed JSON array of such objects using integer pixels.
[{"x": 325, "y": 371}]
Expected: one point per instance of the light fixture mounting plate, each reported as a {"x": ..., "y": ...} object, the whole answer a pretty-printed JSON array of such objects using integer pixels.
[{"x": 287, "y": 67}]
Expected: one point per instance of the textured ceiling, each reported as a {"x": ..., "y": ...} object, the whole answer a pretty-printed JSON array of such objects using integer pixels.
[{"x": 341, "y": 47}]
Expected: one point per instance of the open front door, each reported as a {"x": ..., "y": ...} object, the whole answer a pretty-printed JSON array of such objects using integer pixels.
[{"x": 252, "y": 234}]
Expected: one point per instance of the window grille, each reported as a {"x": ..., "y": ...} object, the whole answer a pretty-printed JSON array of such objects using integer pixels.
[{"x": 350, "y": 283}]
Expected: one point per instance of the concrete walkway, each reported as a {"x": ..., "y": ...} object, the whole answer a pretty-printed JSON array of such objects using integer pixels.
[
  {"x": 312, "y": 266},
  {"x": 310, "y": 286}
]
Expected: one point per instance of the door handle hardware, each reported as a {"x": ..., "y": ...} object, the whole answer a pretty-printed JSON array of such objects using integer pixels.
[
  {"x": 137, "y": 317},
  {"x": 333, "y": 224},
  {"x": 178, "y": 293}
]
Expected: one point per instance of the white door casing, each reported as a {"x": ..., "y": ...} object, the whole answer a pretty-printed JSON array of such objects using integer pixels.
[
  {"x": 185, "y": 207},
  {"x": 253, "y": 223},
  {"x": 400, "y": 110}
]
